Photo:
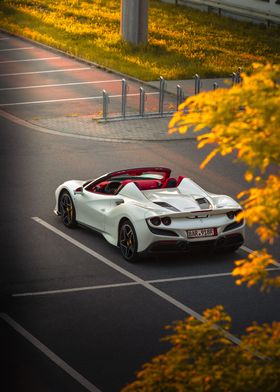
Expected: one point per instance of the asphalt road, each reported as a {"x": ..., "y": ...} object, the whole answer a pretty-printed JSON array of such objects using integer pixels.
[
  {"x": 74, "y": 315},
  {"x": 38, "y": 81}
]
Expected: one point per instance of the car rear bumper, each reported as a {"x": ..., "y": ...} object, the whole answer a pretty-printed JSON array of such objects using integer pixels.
[{"x": 223, "y": 242}]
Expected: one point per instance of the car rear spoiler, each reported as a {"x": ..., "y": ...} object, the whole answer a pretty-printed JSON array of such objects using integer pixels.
[{"x": 199, "y": 213}]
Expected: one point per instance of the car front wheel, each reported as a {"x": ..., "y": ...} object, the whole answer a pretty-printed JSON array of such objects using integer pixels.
[
  {"x": 128, "y": 241},
  {"x": 67, "y": 210}
]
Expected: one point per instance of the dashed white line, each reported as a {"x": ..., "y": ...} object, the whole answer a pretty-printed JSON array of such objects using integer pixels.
[
  {"x": 46, "y": 71},
  {"x": 27, "y": 60},
  {"x": 117, "y": 285},
  {"x": 73, "y": 290},
  {"x": 50, "y": 101},
  {"x": 12, "y": 49},
  {"x": 132, "y": 276},
  {"x": 50, "y": 354},
  {"x": 197, "y": 277},
  {"x": 69, "y": 99},
  {"x": 60, "y": 84},
  {"x": 246, "y": 249},
  {"x": 4, "y": 38}
]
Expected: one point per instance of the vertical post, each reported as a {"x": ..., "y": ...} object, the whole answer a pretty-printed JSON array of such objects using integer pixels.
[
  {"x": 233, "y": 78},
  {"x": 124, "y": 93},
  {"x": 142, "y": 102},
  {"x": 238, "y": 75},
  {"x": 105, "y": 104},
  {"x": 134, "y": 21},
  {"x": 179, "y": 95},
  {"x": 196, "y": 84},
  {"x": 161, "y": 94},
  {"x": 215, "y": 86}
]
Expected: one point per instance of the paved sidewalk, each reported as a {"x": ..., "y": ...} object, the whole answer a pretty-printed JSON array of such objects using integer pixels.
[{"x": 150, "y": 129}]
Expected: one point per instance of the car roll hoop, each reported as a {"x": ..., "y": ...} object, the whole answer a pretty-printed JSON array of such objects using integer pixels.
[{"x": 112, "y": 187}]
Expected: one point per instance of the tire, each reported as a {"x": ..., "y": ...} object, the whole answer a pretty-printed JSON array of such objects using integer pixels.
[
  {"x": 128, "y": 241},
  {"x": 67, "y": 210}
]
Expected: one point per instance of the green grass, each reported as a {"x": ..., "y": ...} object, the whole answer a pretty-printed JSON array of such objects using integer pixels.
[{"x": 182, "y": 41}]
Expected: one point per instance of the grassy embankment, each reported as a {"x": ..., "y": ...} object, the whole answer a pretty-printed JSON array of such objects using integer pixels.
[{"x": 182, "y": 41}]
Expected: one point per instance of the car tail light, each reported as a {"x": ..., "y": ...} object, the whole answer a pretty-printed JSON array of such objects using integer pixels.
[
  {"x": 155, "y": 221},
  {"x": 233, "y": 214},
  {"x": 166, "y": 220}
]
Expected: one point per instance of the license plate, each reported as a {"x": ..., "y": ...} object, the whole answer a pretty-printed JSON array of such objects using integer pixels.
[{"x": 202, "y": 233}]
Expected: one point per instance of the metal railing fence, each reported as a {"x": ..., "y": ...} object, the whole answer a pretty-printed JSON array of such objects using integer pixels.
[{"x": 142, "y": 98}]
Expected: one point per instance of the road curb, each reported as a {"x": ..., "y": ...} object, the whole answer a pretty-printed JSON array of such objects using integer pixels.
[{"x": 39, "y": 128}]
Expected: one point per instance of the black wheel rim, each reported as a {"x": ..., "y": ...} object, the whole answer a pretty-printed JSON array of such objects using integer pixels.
[
  {"x": 127, "y": 242},
  {"x": 66, "y": 208}
]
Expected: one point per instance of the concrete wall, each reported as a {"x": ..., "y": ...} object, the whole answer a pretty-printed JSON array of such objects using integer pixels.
[{"x": 266, "y": 11}]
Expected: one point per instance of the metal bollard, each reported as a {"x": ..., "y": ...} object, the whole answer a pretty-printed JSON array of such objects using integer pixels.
[
  {"x": 215, "y": 86},
  {"x": 238, "y": 75},
  {"x": 196, "y": 84},
  {"x": 180, "y": 96},
  {"x": 105, "y": 104},
  {"x": 124, "y": 94},
  {"x": 233, "y": 78},
  {"x": 161, "y": 94},
  {"x": 142, "y": 101}
]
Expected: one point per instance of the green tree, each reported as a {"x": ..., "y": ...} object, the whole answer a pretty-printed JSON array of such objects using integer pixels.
[{"x": 245, "y": 119}]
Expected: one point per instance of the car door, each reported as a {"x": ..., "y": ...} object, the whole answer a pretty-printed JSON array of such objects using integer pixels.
[{"x": 91, "y": 209}]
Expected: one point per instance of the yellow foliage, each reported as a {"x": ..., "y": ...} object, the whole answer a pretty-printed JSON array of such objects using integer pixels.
[
  {"x": 244, "y": 119},
  {"x": 202, "y": 359},
  {"x": 262, "y": 207},
  {"x": 254, "y": 269}
]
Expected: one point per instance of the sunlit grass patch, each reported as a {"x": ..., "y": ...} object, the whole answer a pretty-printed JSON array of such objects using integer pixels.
[{"x": 182, "y": 41}]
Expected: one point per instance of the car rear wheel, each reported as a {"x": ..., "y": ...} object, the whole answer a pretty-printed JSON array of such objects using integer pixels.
[
  {"x": 67, "y": 210},
  {"x": 128, "y": 241}
]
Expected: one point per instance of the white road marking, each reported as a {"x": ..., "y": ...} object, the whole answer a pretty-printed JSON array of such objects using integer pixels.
[
  {"x": 133, "y": 277},
  {"x": 73, "y": 290},
  {"x": 4, "y": 38},
  {"x": 51, "y": 101},
  {"x": 248, "y": 250},
  {"x": 60, "y": 84},
  {"x": 195, "y": 277},
  {"x": 26, "y": 60},
  {"x": 116, "y": 285},
  {"x": 46, "y": 71},
  {"x": 70, "y": 99},
  {"x": 12, "y": 49},
  {"x": 50, "y": 354}
]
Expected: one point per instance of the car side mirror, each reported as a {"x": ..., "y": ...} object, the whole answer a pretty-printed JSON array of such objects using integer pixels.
[{"x": 79, "y": 191}]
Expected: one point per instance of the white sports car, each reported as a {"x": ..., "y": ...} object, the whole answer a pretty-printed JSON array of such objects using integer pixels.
[{"x": 145, "y": 210}]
